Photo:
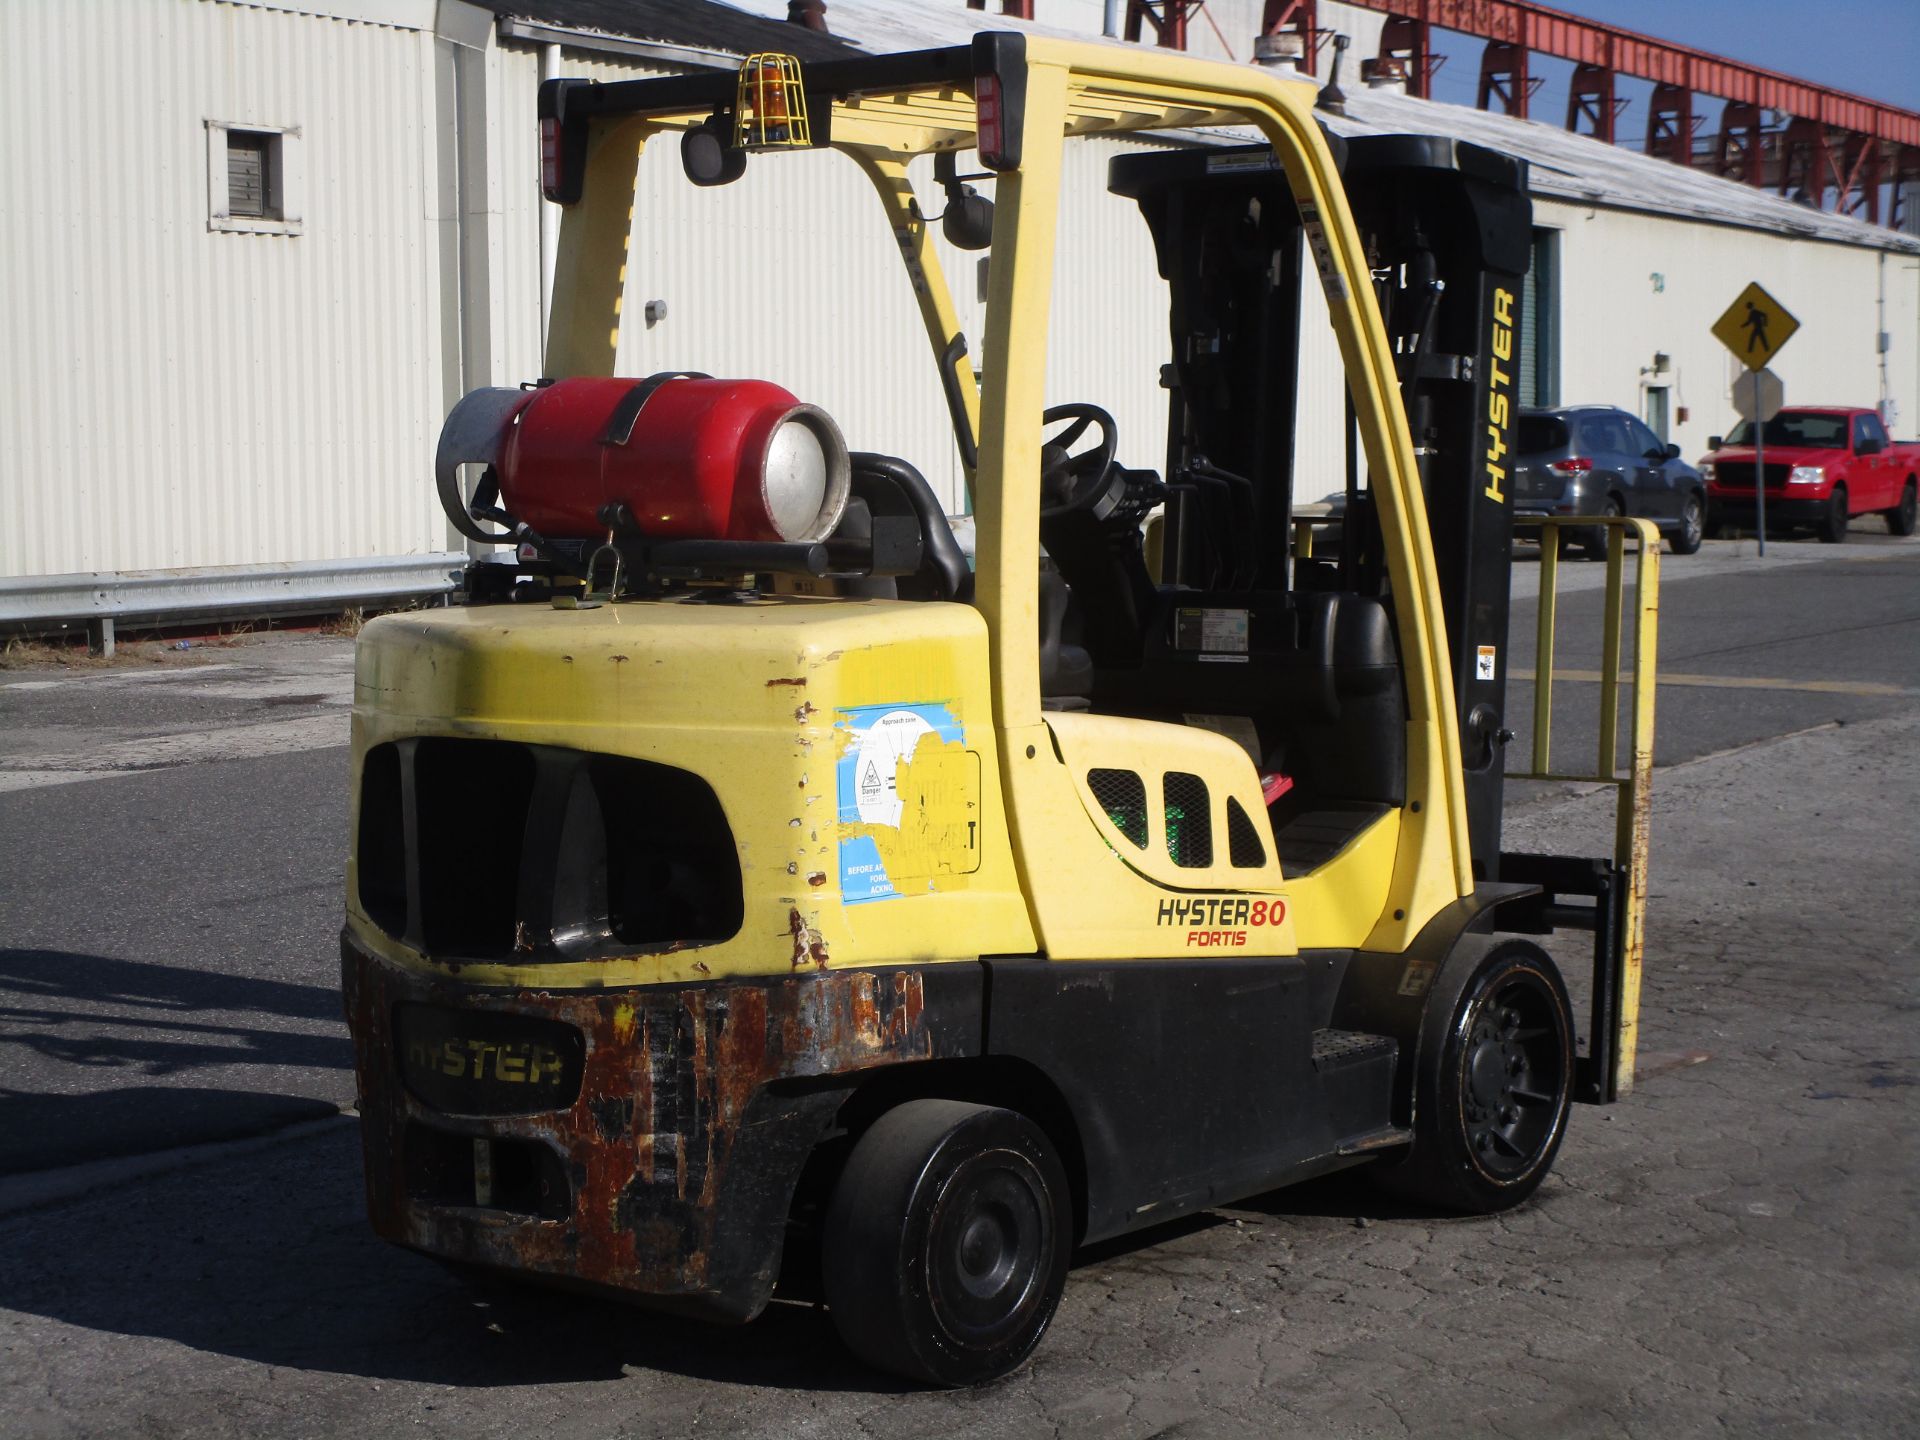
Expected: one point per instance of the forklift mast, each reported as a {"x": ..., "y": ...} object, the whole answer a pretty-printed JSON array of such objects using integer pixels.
[{"x": 1447, "y": 230}]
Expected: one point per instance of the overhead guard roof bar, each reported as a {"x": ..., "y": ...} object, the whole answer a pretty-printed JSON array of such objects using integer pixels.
[
  {"x": 843, "y": 79},
  {"x": 925, "y": 121}
]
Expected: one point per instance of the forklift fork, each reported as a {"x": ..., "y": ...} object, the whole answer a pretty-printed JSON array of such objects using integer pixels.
[{"x": 1617, "y": 887}]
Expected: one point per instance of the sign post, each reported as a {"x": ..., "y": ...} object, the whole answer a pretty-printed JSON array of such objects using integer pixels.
[
  {"x": 1754, "y": 328},
  {"x": 1757, "y": 398}
]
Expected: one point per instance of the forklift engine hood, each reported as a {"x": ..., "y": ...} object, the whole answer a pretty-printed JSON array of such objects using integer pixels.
[{"x": 565, "y": 796}]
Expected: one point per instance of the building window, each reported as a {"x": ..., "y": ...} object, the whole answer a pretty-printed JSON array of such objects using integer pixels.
[
  {"x": 1540, "y": 324},
  {"x": 253, "y": 178},
  {"x": 251, "y": 192}
]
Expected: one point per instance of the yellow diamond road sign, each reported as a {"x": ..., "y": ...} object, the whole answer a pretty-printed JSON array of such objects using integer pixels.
[{"x": 1755, "y": 327}]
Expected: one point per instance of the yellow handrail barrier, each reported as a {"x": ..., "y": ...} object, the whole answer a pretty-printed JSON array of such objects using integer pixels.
[{"x": 1634, "y": 790}]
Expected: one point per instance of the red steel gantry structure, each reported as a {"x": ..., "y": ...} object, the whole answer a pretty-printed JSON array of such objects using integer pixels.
[{"x": 1832, "y": 144}]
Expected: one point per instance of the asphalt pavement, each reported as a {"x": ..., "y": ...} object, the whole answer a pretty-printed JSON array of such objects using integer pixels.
[
  {"x": 1732, "y": 1249},
  {"x": 1749, "y": 648},
  {"x": 168, "y": 919}
]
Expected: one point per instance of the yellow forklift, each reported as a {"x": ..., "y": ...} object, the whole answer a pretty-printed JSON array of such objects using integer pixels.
[{"x": 747, "y": 891}]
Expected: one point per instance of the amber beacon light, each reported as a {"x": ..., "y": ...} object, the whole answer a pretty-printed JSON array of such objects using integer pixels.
[{"x": 771, "y": 111}]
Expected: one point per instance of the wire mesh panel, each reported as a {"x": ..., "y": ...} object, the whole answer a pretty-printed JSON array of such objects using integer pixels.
[
  {"x": 1243, "y": 841},
  {"x": 1189, "y": 821},
  {"x": 1123, "y": 796}
]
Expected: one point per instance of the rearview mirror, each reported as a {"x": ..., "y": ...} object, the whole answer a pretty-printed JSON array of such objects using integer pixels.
[
  {"x": 1672, "y": 452},
  {"x": 1869, "y": 446},
  {"x": 1714, "y": 442}
]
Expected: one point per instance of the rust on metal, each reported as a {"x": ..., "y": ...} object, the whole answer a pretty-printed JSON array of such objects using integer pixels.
[
  {"x": 809, "y": 945},
  {"x": 671, "y": 1077}
]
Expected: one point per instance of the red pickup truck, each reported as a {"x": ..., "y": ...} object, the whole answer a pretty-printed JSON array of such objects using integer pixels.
[{"x": 1825, "y": 464}]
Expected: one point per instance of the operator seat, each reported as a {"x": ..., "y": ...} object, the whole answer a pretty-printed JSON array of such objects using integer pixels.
[
  {"x": 888, "y": 486},
  {"x": 1344, "y": 729},
  {"x": 1066, "y": 668}
]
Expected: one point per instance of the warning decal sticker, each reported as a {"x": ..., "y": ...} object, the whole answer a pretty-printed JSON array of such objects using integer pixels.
[
  {"x": 909, "y": 800},
  {"x": 1321, "y": 248}
]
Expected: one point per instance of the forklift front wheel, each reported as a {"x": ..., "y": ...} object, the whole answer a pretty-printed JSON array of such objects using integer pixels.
[
  {"x": 1494, "y": 1083},
  {"x": 946, "y": 1242}
]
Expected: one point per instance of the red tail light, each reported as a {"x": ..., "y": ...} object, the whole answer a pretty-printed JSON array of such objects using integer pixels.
[
  {"x": 552, "y": 165},
  {"x": 986, "y": 105},
  {"x": 999, "y": 97},
  {"x": 1577, "y": 466}
]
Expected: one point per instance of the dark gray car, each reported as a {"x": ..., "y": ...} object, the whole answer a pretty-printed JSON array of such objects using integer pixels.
[{"x": 1599, "y": 460}]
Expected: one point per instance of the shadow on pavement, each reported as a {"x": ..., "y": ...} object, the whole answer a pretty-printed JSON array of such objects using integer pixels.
[
  {"x": 1346, "y": 1195},
  {"x": 268, "y": 1258},
  {"x": 140, "y": 988},
  {"x": 91, "y": 1019},
  {"x": 46, "y": 1132}
]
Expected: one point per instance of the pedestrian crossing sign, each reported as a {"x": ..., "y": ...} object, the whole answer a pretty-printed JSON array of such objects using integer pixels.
[{"x": 1755, "y": 327}]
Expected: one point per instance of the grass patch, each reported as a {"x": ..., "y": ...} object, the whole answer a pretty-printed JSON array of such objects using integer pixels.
[{"x": 21, "y": 653}]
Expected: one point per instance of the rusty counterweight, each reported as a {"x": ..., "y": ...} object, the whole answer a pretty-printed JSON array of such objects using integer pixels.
[{"x": 676, "y": 1151}]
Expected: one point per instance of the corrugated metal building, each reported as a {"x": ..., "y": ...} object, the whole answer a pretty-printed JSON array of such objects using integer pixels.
[{"x": 256, "y": 248}]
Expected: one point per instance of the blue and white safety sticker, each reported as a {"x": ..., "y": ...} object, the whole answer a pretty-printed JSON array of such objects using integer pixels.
[{"x": 879, "y": 738}]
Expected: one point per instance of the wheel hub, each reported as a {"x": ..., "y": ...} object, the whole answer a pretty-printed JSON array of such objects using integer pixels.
[
  {"x": 990, "y": 1244},
  {"x": 1512, "y": 1080}
]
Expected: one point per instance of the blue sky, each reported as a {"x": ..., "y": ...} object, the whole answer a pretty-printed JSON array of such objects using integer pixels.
[{"x": 1869, "y": 47}]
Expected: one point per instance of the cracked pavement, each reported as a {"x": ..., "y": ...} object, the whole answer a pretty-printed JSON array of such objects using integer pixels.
[{"x": 1731, "y": 1250}]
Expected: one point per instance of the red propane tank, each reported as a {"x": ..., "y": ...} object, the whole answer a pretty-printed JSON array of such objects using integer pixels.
[{"x": 689, "y": 458}]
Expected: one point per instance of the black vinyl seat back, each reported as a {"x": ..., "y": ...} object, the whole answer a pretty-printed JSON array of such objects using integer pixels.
[
  {"x": 1340, "y": 732},
  {"x": 895, "y": 515},
  {"x": 1066, "y": 667}
]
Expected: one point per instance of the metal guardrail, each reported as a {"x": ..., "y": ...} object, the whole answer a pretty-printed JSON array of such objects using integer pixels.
[
  {"x": 48, "y": 604},
  {"x": 1634, "y": 789}
]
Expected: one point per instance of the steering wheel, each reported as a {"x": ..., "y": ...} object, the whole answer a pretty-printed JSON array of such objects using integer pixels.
[{"x": 1069, "y": 481}]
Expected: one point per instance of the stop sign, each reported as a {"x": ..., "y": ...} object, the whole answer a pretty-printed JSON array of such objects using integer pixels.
[{"x": 1758, "y": 396}]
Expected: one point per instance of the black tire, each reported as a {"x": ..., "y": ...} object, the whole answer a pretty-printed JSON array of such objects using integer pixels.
[
  {"x": 1693, "y": 525},
  {"x": 946, "y": 1242},
  {"x": 1715, "y": 526},
  {"x": 1832, "y": 528},
  {"x": 1493, "y": 1081},
  {"x": 1594, "y": 541},
  {"x": 1901, "y": 518}
]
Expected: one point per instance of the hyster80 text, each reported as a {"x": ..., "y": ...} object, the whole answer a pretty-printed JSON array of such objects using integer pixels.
[{"x": 1220, "y": 920}]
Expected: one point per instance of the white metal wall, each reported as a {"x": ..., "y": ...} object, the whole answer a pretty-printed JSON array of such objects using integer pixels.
[
  {"x": 179, "y": 397},
  {"x": 1635, "y": 284}
]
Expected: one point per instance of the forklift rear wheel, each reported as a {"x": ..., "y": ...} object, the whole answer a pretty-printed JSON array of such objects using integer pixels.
[
  {"x": 946, "y": 1242},
  {"x": 1494, "y": 1083}
]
